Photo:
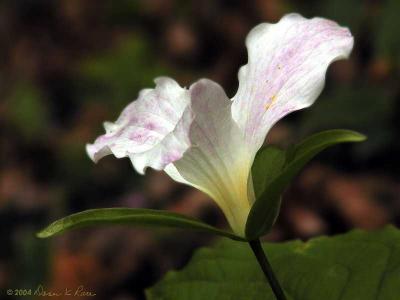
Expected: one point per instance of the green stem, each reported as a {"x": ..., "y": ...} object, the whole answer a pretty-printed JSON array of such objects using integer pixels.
[{"x": 267, "y": 269}]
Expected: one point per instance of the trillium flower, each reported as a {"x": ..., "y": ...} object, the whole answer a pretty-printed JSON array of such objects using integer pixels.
[{"x": 200, "y": 137}]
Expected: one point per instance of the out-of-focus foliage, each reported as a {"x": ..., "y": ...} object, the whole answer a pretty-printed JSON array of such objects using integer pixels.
[
  {"x": 26, "y": 111},
  {"x": 117, "y": 76},
  {"x": 387, "y": 32},
  {"x": 349, "y": 13},
  {"x": 368, "y": 109},
  {"x": 69, "y": 65}
]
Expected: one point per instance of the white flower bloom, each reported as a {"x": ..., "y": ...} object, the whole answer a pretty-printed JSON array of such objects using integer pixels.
[{"x": 202, "y": 138}]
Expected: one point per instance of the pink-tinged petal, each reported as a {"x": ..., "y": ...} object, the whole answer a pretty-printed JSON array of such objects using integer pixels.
[
  {"x": 218, "y": 162},
  {"x": 286, "y": 69},
  {"x": 172, "y": 147},
  {"x": 152, "y": 131}
]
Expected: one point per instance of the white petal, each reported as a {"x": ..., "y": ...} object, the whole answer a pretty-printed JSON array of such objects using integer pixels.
[
  {"x": 285, "y": 71},
  {"x": 218, "y": 163},
  {"x": 169, "y": 150},
  {"x": 153, "y": 130}
]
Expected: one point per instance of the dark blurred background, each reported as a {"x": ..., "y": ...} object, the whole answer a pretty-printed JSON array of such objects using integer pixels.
[{"x": 66, "y": 66}]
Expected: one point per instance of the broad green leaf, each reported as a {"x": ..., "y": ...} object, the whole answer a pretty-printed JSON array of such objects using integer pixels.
[
  {"x": 357, "y": 265},
  {"x": 132, "y": 217},
  {"x": 265, "y": 209}
]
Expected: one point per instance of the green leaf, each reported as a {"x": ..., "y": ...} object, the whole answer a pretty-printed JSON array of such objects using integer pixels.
[
  {"x": 266, "y": 207},
  {"x": 315, "y": 143},
  {"x": 356, "y": 265},
  {"x": 130, "y": 216},
  {"x": 268, "y": 163}
]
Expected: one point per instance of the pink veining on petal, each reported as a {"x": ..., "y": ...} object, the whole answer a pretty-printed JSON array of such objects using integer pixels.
[
  {"x": 159, "y": 117},
  {"x": 286, "y": 70}
]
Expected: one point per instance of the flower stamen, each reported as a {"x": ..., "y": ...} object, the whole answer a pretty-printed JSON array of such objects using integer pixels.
[{"x": 272, "y": 102}]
